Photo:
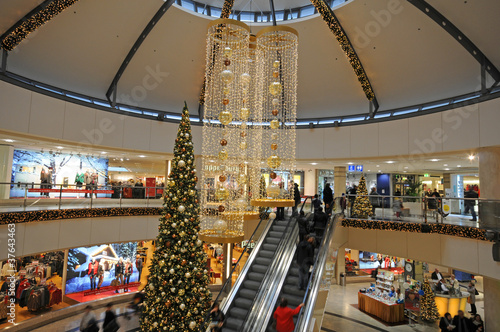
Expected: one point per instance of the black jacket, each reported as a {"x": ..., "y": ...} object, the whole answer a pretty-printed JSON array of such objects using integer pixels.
[
  {"x": 305, "y": 253},
  {"x": 471, "y": 194},
  {"x": 296, "y": 195},
  {"x": 108, "y": 318},
  {"x": 302, "y": 221},
  {"x": 119, "y": 268},
  {"x": 462, "y": 325},
  {"x": 328, "y": 195},
  {"x": 320, "y": 219},
  {"x": 443, "y": 325}
]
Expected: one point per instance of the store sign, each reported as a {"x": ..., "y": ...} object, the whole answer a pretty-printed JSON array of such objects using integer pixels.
[
  {"x": 352, "y": 168},
  {"x": 359, "y": 168},
  {"x": 426, "y": 175},
  {"x": 250, "y": 246}
]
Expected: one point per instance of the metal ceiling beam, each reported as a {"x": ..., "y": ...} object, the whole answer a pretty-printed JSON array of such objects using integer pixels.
[
  {"x": 334, "y": 25},
  {"x": 112, "y": 90},
  {"x": 32, "y": 12},
  {"x": 449, "y": 27},
  {"x": 273, "y": 13}
]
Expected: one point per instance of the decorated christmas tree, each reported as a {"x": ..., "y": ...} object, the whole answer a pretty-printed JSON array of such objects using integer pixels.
[
  {"x": 428, "y": 307},
  {"x": 362, "y": 207},
  {"x": 177, "y": 295}
]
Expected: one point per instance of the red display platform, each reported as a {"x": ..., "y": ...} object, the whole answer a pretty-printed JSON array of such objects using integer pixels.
[
  {"x": 104, "y": 292},
  {"x": 71, "y": 191}
]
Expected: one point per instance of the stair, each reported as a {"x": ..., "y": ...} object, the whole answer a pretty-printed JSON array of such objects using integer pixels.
[{"x": 242, "y": 304}]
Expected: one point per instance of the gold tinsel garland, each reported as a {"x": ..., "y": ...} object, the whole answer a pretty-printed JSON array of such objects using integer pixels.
[
  {"x": 43, "y": 215},
  {"x": 453, "y": 230},
  {"x": 334, "y": 25},
  {"x": 33, "y": 22}
]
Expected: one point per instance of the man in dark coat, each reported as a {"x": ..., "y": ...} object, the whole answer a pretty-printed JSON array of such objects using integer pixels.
[
  {"x": 328, "y": 196},
  {"x": 305, "y": 256},
  {"x": 461, "y": 323},
  {"x": 471, "y": 202},
  {"x": 302, "y": 221},
  {"x": 296, "y": 197},
  {"x": 320, "y": 219}
]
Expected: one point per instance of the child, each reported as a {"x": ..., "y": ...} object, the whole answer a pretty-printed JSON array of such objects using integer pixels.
[
  {"x": 316, "y": 203},
  {"x": 397, "y": 207}
]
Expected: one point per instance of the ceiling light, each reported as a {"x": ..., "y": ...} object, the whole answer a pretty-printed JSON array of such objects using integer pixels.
[
  {"x": 350, "y": 163},
  {"x": 9, "y": 140},
  {"x": 378, "y": 165},
  {"x": 59, "y": 147},
  {"x": 404, "y": 171},
  {"x": 390, "y": 162},
  {"x": 445, "y": 165},
  {"x": 379, "y": 171},
  {"x": 434, "y": 159},
  {"x": 471, "y": 157},
  {"x": 459, "y": 165},
  {"x": 212, "y": 161},
  {"x": 314, "y": 164},
  {"x": 406, "y": 167},
  {"x": 103, "y": 152},
  {"x": 142, "y": 156},
  {"x": 369, "y": 170},
  {"x": 446, "y": 169}
]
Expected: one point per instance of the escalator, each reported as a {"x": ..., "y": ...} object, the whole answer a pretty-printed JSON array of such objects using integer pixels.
[{"x": 240, "y": 302}]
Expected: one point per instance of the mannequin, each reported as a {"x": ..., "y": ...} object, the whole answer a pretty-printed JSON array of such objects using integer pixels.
[
  {"x": 92, "y": 273},
  {"x": 49, "y": 180},
  {"x": 43, "y": 180},
  {"x": 88, "y": 180}
]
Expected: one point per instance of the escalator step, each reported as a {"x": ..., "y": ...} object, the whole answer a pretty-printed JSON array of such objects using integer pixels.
[
  {"x": 294, "y": 301},
  {"x": 292, "y": 280},
  {"x": 226, "y": 329},
  {"x": 243, "y": 303},
  {"x": 233, "y": 323},
  {"x": 259, "y": 268},
  {"x": 247, "y": 293},
  {"x": 277, "y": 228},
  {"x": 281, "y": 222},
  {"x": 294, "y": 271},
  {"x": 272, "y": 240},
  {"x": 270, "y": 247},
  {"x": 237, "y": 312},
  {"x": 255, "y": 276},
  {"x": 263, "y": 261},
  {"x": 266, "y": 253},
  {"x": 251, "y": 285},
  {"x": 275, "y": 234},
  {"x": 293, "y": 289}
]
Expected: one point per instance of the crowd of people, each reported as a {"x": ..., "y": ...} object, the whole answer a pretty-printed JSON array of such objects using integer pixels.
[{"x": 460, "y": 323}]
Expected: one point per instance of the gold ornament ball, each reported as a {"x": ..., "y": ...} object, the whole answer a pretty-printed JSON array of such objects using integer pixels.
[
  {"x": 274, "y": 136},
  {"x": 243, "y": 145},
  {"x": 221, "y": 208},
  {"x": 275, "y": 112},
  {"x": 276, "y": 102},
  {"x": 273, "y": 175},
  {"x": 276, "y": 64},
  {"x": 276, "y": 74},
  {"x": 244, "y": 113},
  {"x": 228, "y": 52},
  {"x": 221, "y": 194},
  {"x": 275, "y": 88},
  {"x": 222, "y": 178},
  {"x": 223, "y": 155},
  {"x": 223, "y": 142},
  {"x": 274, "y": 161},
  {"x": 274, "y": 146},
  {"x": 225, "y": 101},
  {"x": 275, "y": 124},
  {"x": 225, "y": 117},
  {"x": 243, "y": 134},
  {"x": 242, "y": 178},
  {"x": 273, "y": 190},
  {"x": 227, "y": 76},
  {"x": 227, "y": 62},
  {"x": 245, "y": 78},
  {"x": 226, "y": 90}
]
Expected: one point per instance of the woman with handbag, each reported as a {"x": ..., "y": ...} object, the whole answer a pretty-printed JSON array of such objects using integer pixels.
[
  {"x": 472, "y": 298},
  {"x": 127, "y": 273}
]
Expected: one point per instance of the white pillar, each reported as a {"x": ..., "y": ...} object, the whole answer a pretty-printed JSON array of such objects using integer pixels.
[
  {"x": 6, "y": 158},
  {"x": 489, "y": 185}
]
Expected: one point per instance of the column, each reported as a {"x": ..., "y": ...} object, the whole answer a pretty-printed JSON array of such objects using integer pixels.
[
  {"x": 6, "y": 158},
  {"x": 65, "y": 272},
  {"x": 489, "y": 186},
  {"x": 168, "y": 164},
  {"x": 228, "y": 261},
  {"x": 339, "y": 181},
  {"x": 491, "y": 304}
]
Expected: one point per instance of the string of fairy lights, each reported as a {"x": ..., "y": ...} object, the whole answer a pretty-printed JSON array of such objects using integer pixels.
[
  {"x": 33, "y": 22},
  {"x": 444, "y": 229},
  {"x": 334, "y": 25},
  {"x": 43, "y": 215}
]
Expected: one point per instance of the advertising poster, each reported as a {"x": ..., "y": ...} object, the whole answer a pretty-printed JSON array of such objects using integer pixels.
[
  {"x": 412, "y": 300},
  {"x": 107, "y": 255},
  {"x": 27, "y": 168}
]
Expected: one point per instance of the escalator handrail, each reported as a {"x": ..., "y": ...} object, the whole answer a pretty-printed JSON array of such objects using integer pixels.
[
  {"x": 274, "y": 279},
  {"x": 311, "y": 294},
  {"x": 243, "y": 273}
]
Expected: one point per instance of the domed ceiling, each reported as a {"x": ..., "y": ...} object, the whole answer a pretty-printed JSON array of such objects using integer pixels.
[{"x": 408, "y": 57}]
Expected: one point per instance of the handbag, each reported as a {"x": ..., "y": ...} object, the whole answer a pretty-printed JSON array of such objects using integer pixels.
[
  {"x": 469, "y": 300},
  {"x": 112, "y": 326}
]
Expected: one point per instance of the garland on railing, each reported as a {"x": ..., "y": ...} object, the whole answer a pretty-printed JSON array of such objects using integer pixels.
[
  {"x": 334, "y": 25},
  {"x": 454, "y": 230},
  {"x": 34, "y": 21},
  {"x": 34, "y": 216}
]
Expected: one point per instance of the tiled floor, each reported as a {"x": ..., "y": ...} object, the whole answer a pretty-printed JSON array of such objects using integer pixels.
[{"x": 341, "y": 316}]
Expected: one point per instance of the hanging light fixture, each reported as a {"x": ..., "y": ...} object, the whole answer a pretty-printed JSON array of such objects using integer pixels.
[{"x": 276, "y": 102}]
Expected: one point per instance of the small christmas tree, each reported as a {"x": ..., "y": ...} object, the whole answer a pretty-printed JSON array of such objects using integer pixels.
[
  {"x": 362, "y": 207},
  {"x": 177, "y": 295},
  {"x": 428, "y": 308}
]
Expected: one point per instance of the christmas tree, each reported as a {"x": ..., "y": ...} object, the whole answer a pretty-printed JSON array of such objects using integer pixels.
[
  {"x": 177, "y": 295},
  {"x": 362, "y": 207},
  {"x": 428, "y": 307}
]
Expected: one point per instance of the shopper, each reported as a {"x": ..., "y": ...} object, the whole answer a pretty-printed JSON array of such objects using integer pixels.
[
  {"x": 374, "y": 200},
  {"x": 352, "y": 197},
  {"x": 438, "y": 202},
  {"x": 119, "y": 269},
  {"x": 472, "y": 298},
  {"x": 89, "y": 322},
  {"x": 453, "y": 284},
  {"x": 284, "y": 316},
  {"x": 446, "y": 323},
  {"x": 461, "y": 323},
  {"x": 138, "y": 265},
  {"x": 316, "y": 203},
  {"x": 297, "y": 198},
  {"x": 217, "y": 318},
  {"x": 470, "y": 203},
  {"x": 327, "y": 196},
  {"x": 280, "y": 211},
  {"x": 127, "y": 273},
  {"x": 302, "y": 221},
  {"x": 110, "y": 323},
  {"x": 305, "y": 257},
  {"x": 436, "y": 275},
  {"x": 477, "y": 324},
  {"x": 397, "y": 207},
  {"x": 320, "y": 219}
]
